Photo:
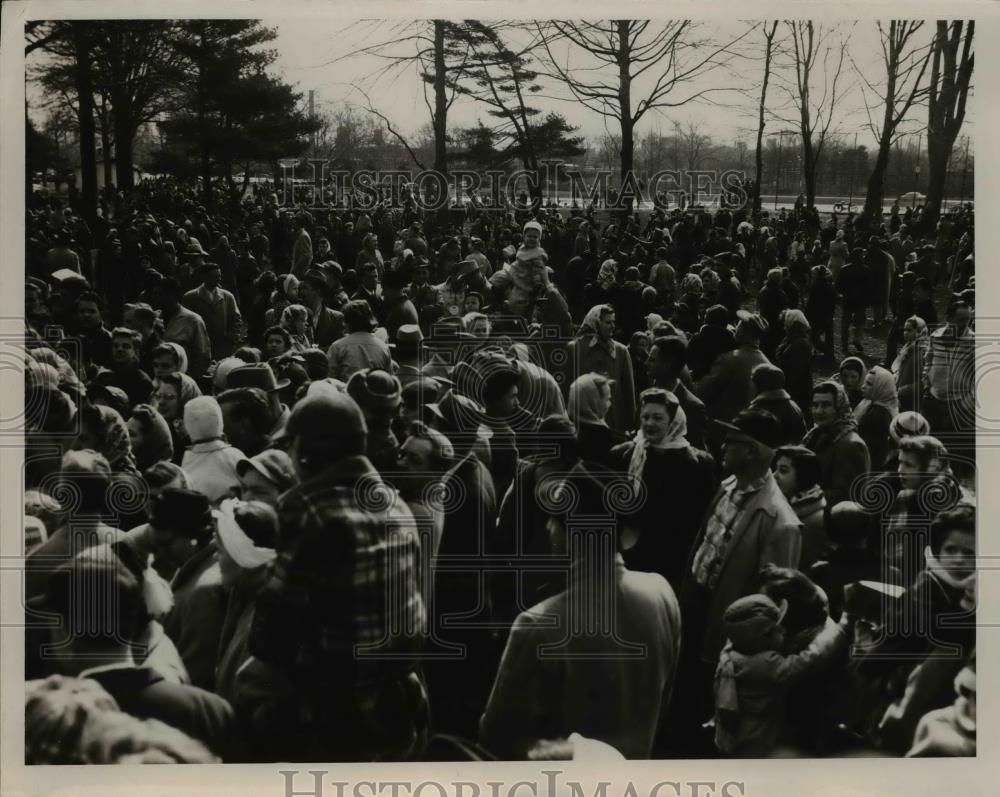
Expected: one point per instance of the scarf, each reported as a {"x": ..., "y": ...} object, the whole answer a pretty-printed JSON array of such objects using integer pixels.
[
  {"x": 675, "y": 438},
  {"x": 823, "y": 436},
  {"x": 584, "y": 397},
  {"x": 588, "y": 327},
  {"x": 940, "y": 572},
  {"x": 922, "y": 341},
  {"x": 808, "y": 501},
  {"x": 238, "y": 545},
  {"x": 116, "y": 446},
  {"x": 607, "y": 274},
  {"x": 182, "y": 358},
  {"x": 881, "y": 391}
]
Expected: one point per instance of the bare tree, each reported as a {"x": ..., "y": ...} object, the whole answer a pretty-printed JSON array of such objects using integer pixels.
[
  {"x": 770, "y": 30},
  {"x": 422, "y": 45},
  {"x": 817, "y": 56},
  {"x": 951, "y": 76},
  {"x": 905, "y": 62},
  {"x": 674, "y": 55},
  {"x": 696, "y": 147}
]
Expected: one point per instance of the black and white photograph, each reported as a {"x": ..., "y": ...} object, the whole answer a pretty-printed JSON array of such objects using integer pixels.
[{"x": 483, "y": 389}]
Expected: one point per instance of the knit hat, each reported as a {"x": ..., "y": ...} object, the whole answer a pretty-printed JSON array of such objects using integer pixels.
[
  {"x": 316, "y": 364},
  {"x": 908, "y": 424},
  {"x": 203, "y": 419},
  {"x": 532, "y": 225},
  {"x": 750, "y": 618},
  {"x": 767, "y": 376},
  {"x": 376, "y": 391}
]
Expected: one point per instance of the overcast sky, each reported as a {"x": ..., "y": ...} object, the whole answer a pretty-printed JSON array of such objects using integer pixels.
[{"x": 310, "y": 51}]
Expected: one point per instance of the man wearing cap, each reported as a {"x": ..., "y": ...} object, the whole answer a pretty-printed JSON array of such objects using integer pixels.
[
  {"x": 464, "y": 277},
  {"x": 476, "y": 253},
  {"x": 399, "y": 310},
  {"x": 406, "y": 353},
  {"x": 325, "y": 324},
  {"x": 218, "y": 309},
  {"x": 727, "y": 388},
  {"x": 749, "y": 525},
  {"x": 183, "y": 326},
  {"x": 266, "y": 476},
  {"x": 334, "y": 673}
]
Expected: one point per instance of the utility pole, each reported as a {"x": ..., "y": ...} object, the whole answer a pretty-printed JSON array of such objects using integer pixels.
[{"x": 777, "y": 173}]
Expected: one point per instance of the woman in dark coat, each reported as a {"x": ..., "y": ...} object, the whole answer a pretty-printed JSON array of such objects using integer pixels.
[
  {"x": 875, "y": 412},
  {"x": 843, "y": 455},
  {"x": 589, "y": 403},
  {"x": 677, "y": 483},
  {"x": 794, "y": 357}
]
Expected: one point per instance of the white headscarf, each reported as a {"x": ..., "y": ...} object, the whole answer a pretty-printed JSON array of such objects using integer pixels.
[
  {"x": 882, "y": 392},
  {"x": 238, "y": 545},
  {"x": 676, "y": 437}
]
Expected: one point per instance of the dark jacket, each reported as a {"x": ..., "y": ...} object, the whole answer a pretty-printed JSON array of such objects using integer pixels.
[
  {"x": 793, "y": 425},
  {"x": 707, "y": 344},
  {"x": 143, "y": 693}
]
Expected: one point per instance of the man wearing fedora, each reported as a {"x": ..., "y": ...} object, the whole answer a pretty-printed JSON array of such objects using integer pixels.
[
  {"x": 325, "y": 324},
  {"x": 728, "y": 388},
  {"x": 748, "y": 526},
  {"x": 218, "y": 309},
  {"x": 260, "y": 376}
]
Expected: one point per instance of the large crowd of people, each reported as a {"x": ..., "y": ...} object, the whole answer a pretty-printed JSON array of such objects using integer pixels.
[{"x": 362, "y": 485}]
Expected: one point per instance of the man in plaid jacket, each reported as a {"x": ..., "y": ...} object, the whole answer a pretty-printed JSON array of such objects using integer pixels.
[{"x": 339, "y": 629}]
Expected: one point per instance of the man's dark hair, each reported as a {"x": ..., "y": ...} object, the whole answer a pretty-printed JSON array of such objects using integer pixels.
[
  {"x": 249, "y": 404},
  {"x": 960, "y": 518},
  {"x": 93, "y": 298},
  {"x": 673, "y": 349},
  {"x": 955, "y": 306}
]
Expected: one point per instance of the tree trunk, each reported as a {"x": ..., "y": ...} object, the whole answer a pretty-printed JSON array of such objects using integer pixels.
[
  {"x": 876, "y": 182},
  {"x": 809, "y": 165},
  {"x": 625, "y": 105},
  {"x": 440, "y": 101},
  {"x": 204, "y": 145},
  {"x": 106, "y": 146},
  {"x": 121, "y": 116},
  {"x": 85, "y": 95},
  {"x": 759, "y": 160}
]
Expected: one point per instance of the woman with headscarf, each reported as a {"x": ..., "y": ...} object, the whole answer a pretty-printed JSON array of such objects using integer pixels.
[
  {"x": 675, "y": 482},
  {"x": 286, "y": 293},
  {"x": 589, "y": 402},
  {"x": 245, "y": 534},
  {"x": 150, "y": 436},
  {"x": 876, "y": 410},
  {"x": 852, "y": 374},
  {"x": 908, "y": 366},
  {"x": 295, "y": 320},
  {"x": 594, "y": 350},
  {"x": 603, "y": 290},
  {"x": 794, "y": 357},
  {"x": 171, "y": 358},
  {"x": 103, "y": 430},
  {"x": 843, "y": 455},
  {"x": 170, "y": 394}
]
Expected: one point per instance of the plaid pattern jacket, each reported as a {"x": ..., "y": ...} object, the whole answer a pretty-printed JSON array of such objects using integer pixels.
[{"x": 343, "y": 609}]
